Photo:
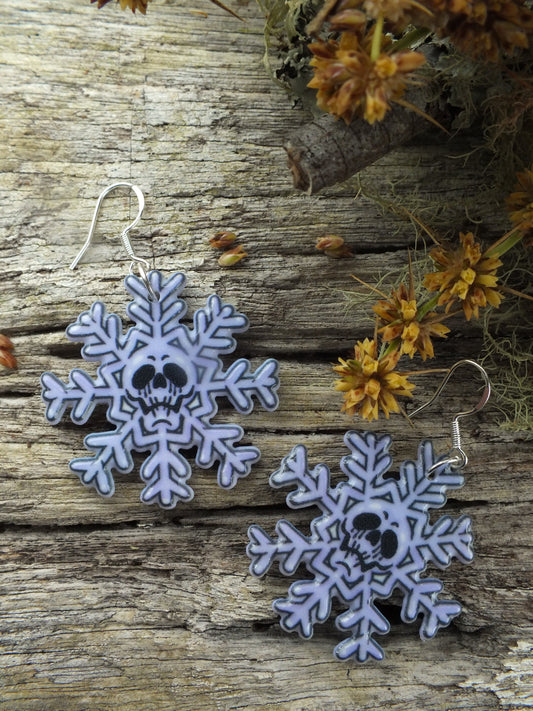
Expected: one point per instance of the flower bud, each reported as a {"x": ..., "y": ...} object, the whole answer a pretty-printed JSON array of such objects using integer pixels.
[
  {"x": 349, "y": 20},
  {"x": 222, "y": 240},
  {"x": 329, "y": 242},
  {"x": 232, "y": 256},
  {"x": 409, "y": 61}
]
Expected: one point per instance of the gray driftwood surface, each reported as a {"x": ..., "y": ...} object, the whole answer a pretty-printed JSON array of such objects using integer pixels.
[{"x": 109, "y": 604}]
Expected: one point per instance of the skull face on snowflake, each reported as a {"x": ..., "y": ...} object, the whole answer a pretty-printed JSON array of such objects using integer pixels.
[
  {"x": 374, "y": 536},
  {"x": 371, "y": 539},
  {"x": 159, "y": 379},
  {"x": 160, "y": 382}
]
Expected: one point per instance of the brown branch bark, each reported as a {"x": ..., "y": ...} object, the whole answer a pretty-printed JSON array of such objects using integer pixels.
[{"x": 327, "y": 151}]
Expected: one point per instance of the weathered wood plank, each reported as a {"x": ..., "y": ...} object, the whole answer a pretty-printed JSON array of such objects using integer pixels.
[{"x": 146, "y": 614}]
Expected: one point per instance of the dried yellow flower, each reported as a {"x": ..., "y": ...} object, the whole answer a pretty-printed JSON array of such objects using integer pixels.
[
  {"x": 484, "y": 29},
  {"x": 520, "y": 202},
  {"x": 371, "y": 383},
  {"x": 464, "y": 274},
  {"x": 349, "y": 82},
  {"x": 402, "y": 321},
  {"x": 396, "y": 11}
]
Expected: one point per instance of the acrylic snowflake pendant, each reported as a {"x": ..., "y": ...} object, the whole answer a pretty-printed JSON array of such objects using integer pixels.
[
  {"x": 160, "y": 381},
  {"x": 374, "y": 536}
]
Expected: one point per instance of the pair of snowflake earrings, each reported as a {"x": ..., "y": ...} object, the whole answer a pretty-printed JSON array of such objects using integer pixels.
[{"x": 161, "y": 380}]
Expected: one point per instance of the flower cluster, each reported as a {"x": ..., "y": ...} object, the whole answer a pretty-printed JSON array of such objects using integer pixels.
[
  {"x": 407, "y": 324},
  {"x": 465, "y": 275},
  {"x": 363, "y": 62},
  {"x": 465, "y": 279},
  {"x": 483, "y": 29},
  {"x": 370, "y": 382},
  {"x": 354, "y": 76}
]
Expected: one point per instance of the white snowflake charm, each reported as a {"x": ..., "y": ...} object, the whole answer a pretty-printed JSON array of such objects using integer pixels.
[
  {"x": 374, "y": 536},
  {"x": 161, "y": 381}
]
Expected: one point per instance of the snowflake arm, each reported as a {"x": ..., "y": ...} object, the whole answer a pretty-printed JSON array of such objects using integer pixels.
[
  {"x": 161, "y": 317},
  {"x": 81, "y": 394},
  {"x": 214, "y": 326},
  {"x": 308, "y": 602},
  {"x": 166, "y": 472},
  {"x": 100, "y": 332},
  {"x": 421, "y": 491},
  {"x": 449, "y": 538},
  {"x": 112, "y": 451},
  {"x": 363, "y": 619},
  {"x": 369, "y": 459},
  {"x": 313, "y": 485},
  {"x": 290, "y": 549},
  {"x": 216, "y": 442},
  {"x": 240, "y": 384},
  {"x": 421, "y": 596}
]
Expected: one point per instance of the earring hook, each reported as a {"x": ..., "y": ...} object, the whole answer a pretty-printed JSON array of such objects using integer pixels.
[
  {"x": 457, "y": 458},
  {"x": 142, "y": 264}
]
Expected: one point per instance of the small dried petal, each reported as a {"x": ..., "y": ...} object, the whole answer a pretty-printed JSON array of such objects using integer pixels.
[
  {"x": 232, "y": 256},
  {"x": 395, "y": 11},
  {"x": 6, "y": 343},
  {"x": 221, "y": 240},
  {"x": 7, "y": 358},
  {"x": 348, "y": 19}
]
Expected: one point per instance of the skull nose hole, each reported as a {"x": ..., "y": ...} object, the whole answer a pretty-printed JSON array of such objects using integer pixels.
[
  {"x": 160, "y": 381},
  {"x": 373, "y": 537},
  {"x": 143, "y": 376}
]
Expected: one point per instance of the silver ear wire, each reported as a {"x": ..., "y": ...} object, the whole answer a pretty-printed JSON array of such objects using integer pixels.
[
  {"x": 457, "y": 458},
  {"x": 141, "y": 264}
]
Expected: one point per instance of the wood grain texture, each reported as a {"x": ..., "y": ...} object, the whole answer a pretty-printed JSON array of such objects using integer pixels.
[{"x": 109, "y": 604}]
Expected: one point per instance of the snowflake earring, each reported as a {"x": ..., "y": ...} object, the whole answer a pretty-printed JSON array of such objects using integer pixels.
[
  {"x": 374, "y": 536},
  {"x": 160, "y": 381}
]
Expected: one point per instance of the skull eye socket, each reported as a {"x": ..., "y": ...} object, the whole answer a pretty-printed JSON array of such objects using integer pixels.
[
  {"x": 143, "y": 376},
  {"x": 366, "y": 521},
  {"x": 389, "y": 544},
  {"x": 175, "y": 374}
]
